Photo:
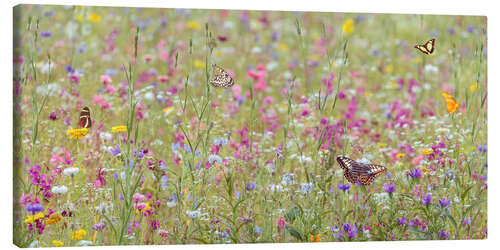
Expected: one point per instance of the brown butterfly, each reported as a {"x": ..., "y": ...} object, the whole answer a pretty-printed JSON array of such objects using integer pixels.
[
  {"x": 220, "y": 78},
  {"x": 427, "y": 48},
  {"x": 85, "y": 121},
  {"x": 355, "y": 171}
]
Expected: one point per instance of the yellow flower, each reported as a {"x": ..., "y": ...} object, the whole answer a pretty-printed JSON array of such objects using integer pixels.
[
  {"x": 367, "y": 94},
  {"x": 94, "y": 17},
  {"x": 193, "y": 25},
  {"x": 425, "y": 171},
  {"x": 79, "y": 18},
  {"x": 348, "y": 26},
  {"x": 473, "y": 87},
  {"x": 382, "y": 145},
  {"x": 393, "y": 85},
  {"x": 199, "y": 64},
  {"x": 147, "y": 208},
  {"x": 77, "y": 133},
  {"x": 427, "y": 151},
  {"x": 389, "y": 68},
  {"x": 167, "y": 110},
  {"x": 416, "y": 60},
  {"x": 400, "y": 155},
  {"x": 315, "y": 239},
  {"x": 57, "y": 243},
  {"x": 117, "y": 129},
  {"x": 78, "y": 235},
  {"x": 35, "y": 217},
  {"x": 218, "y": 53},
  {"x": 54, "y": 218},
  {"x": 283, "y": 47}
]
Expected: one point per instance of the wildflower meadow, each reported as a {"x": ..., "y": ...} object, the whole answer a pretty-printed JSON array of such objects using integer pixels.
[{"x": 163, "y": 156}]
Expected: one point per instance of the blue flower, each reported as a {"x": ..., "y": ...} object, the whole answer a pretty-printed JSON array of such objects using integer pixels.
[
  {"x": 344, "y": 187},
  {"x": 250, "y": 186},
  {"x": 46, "y": 33},
  {"x": 257, "y": 230},
  {"x": 115, "y": 151},
  {"x": 482, "y": 148},
  {"x": 34, "y": 208}
]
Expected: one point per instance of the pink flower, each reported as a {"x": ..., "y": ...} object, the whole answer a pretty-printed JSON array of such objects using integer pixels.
[
  {"x": 417, "y": 160},
  {"x": 74, "y": 79},
  {"x": 105, "y": 79},
  {"x": 163, "y": 79},
  {"x": 236, "y": 91},
  {"x": 138, "y": 197},
  {"x": 281, "y": 223},
  {"x": 110, "y": 89}
]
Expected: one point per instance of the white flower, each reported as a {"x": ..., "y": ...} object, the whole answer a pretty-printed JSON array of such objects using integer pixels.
[
  {"x": 193, "y": 214},
  {"x": 306, "y": 187},
  {"x": 84, "y": 243},
  {"x": 59, "y": 189},
  {"x": 71, "y": 171},
  {"x": 214, "y": 158},
  {"x": 105, "y": 136}
]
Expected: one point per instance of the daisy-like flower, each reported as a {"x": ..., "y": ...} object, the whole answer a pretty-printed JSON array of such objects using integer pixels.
[
  {"x": 348, "y": 26},
  {"x": 78, "y": 235},
  {"x": 77, "y": 133},
  {"x": 118, "y": 129},
  {"x": 57, "y": 243}
]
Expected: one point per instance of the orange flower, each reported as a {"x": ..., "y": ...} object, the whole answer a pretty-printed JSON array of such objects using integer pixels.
[
  {"x": 315, "y": 239},
  {"x": 451, "y": 104}
]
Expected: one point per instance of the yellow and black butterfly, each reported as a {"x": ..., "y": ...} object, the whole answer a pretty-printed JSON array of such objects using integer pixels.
[
  {"x": 220, "y": 78},
  {"x": 427, "y": 48},
  {"x": 355, "y": 171},
  {"x": 85, "y": 121}
]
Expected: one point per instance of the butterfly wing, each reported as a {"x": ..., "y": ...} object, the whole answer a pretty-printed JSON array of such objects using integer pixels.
[
  {"x": 429, "y": 45},
  {"x": 221, "y": 78},
  {"x": 427, "y": 48},
  {"x": 373, "y": 171},
  {"x": 85, "y": 121},
  {"x": 422, "y": 49},
  {"x": 364, "y": 173}
]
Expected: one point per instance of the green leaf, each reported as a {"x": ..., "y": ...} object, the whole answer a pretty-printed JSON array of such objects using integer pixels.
[
  {"x": 295, "y": 232},
  {"x": 473, "y": 206}
]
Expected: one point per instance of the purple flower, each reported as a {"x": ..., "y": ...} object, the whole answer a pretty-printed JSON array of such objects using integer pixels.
[
  {"x": 482, "y": 148},
  {"x": 34, "y": 208},
  {"x": 250, "y": 186},
  {"x": 351, "y": 231},
  {"x": 470, "y": 28},
  {"x": 444, "y": 203},
  {"x": 46, "y": 33},
  {"x": 389, "y": 188},
  {"x": 401, "y": 221},
  {"x": 466, "y": 221},
  {"x": 344, "y": 187},
  {"x": 416, "y": 173},
  {"x": 99, "y": 226},
  {"x": 257, "y": 230},
  {"x": 116, "y": 150},
  {"x": 444, "y": 234},
  {"x": 53, "y": 116},
  {"x": 426, "y": 200}
]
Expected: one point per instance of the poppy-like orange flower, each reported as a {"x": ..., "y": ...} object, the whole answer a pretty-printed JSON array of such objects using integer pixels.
[
  {"x": 451, "y": 104},
  {"x": 315, "y": 239}
]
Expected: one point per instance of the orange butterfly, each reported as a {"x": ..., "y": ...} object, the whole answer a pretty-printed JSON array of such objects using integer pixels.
[{"x": 451, "y": 104}]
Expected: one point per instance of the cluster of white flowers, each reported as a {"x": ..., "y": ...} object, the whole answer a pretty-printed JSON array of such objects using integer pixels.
[
  {"x": 59, "y": 189},
  {"x": 71, "y": 171}
]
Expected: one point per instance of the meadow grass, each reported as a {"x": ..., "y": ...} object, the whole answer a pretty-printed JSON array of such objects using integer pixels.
[{"x": 170, "y": 159}]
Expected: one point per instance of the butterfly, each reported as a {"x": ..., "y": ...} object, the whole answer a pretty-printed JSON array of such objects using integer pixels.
[
  {"x": 221, "y": 78},
  {"x": 427, "y": 48},
  {"x": 85, "y": 121},
  {"x": 451, "y": 104},
  {"x": 355, "y": 171}
]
